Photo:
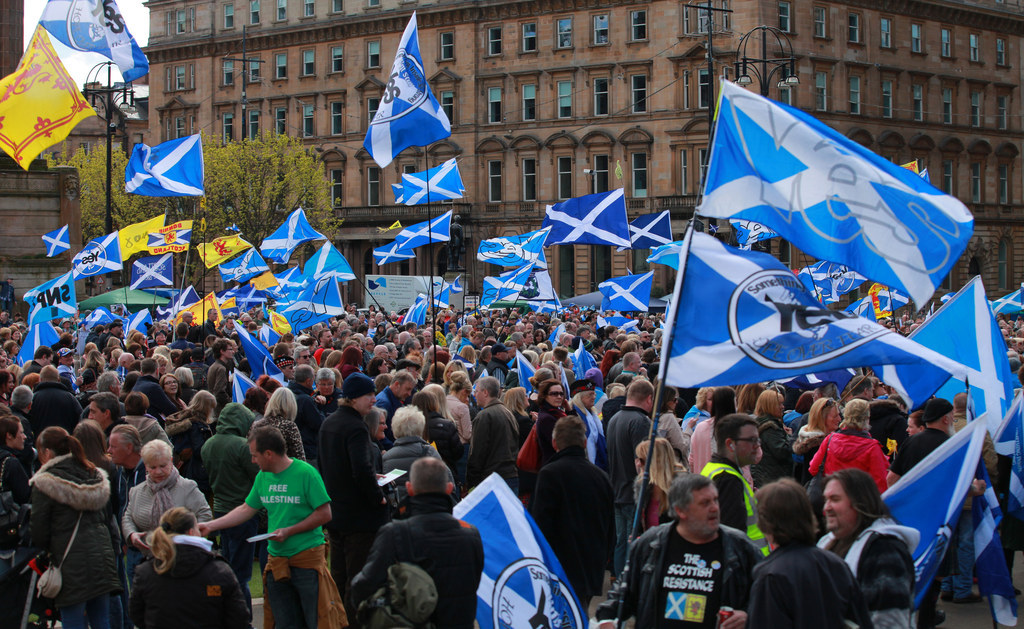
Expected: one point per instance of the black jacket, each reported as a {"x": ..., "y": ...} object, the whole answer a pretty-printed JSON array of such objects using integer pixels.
[
  {"x": 574, "y": 507},
  {"x": 159, "y": 404},
  {"x": 199, "y": 591},
  {"x": 308, "y": 419},
  {"x": 54, "y": 405},
  {"x": 448, "y": 549},
  {"x": 641, "y": 579},
  {"x": 888, "y": 422},
  {"x": 444, "y": 434},
  {"x": 624, "y": 432},
  {"x": 347, "y": 465}
]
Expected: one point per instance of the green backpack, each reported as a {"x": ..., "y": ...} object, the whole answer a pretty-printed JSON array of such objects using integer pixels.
[{"x": 408, "y": 599}]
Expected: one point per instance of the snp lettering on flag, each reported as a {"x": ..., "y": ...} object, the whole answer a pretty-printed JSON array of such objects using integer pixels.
[
  {"x": 631, "y": 293},
  {"x": 52, "y": 299},
  {"x": 650, "y": 230},
  {"x": 153, "y": 271},
  {"x": 172, "y": 169},
  {"x": 100, "y": 255},
  {"x": 596, "y": 219},
  {"x": 96, "y": 26},
  {"x": 56, "y": 242}
]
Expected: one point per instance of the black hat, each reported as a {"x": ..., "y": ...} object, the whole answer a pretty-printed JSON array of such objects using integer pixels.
[
  {"x": 284, "y": 361},
  {"x": 936, "y": 409},
  {"x": 498, "y": 347},
  {"x": 582, "y": 384},
  {"x": 357, "y": 385}
]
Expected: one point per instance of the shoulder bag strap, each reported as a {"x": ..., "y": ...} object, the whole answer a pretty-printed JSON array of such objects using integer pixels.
[
  {"x": 71, "y": 541},
  {"x": 821, "y": 468},
  {"x": 3, "y": 468}
]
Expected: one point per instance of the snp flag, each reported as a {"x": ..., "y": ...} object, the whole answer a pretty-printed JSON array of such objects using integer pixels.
[
  {"x": 515, "y": 250},
  {"x": 319, "y": 302},
  {"x": 829, "y": 281},
  {"x": 153, "y": 271},
  {"x": 408, "y": 115},
  {"x": 441, "y": 183},
  {"x": 244, "y": 267},
  {"x": 595, "y": 219},
  {"x": 170, "y": 239},
  {"x": 631, "y": 293},
  {"x": 649, "y": 231},
  {"x": 426, "y": 233},
  {"x": 278, "y": 247},
  {"x": 757, "y": 323},
  {"x": 749, "y": 232},
  {"x": 100, "y": 255},
  {"x": 57, "y": 241},
  {"x": 52, "y": 300},
  {"x": 523, "y": 583},
  {"x": 172, "y": 169},
  {"x": 96, "y": 26},
  {"x": 830, "y": 196},
  {"x": 328, "y": 262}
]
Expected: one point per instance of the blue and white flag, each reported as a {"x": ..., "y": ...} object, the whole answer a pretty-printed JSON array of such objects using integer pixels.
[
  {"x": 515, "y": 250},
  {"x": 582, "y": 362},
  {"x": 648, "y": 231},
  {"x": 39, "y": 335},
  {"x": 830, "y": 281},
  {"x": 320, "y": 301},
  {"x": 526, "y": 371},
  {"x": 99, "y": 256},
  {"x": 172, "y": 169},
  {"x": 965, "y": 331},
  {"x": 811, "y": 381},
  {"x": 153, "y": 271},
  {"x": 508, "y": 285},
  {"x": 994, "y": 580},
  {"x": 863, "y": 307},
  {"x": 443, "y": 298},
  {"x": 268, "y": 336},
  {"x": 595, "y": 219},
  {"x": 52, "y": 300},
  {"x": 328, "y": 262},
  {"x": 408, "y": 115},
  {"x": 455, "y": 286},
  {"x": 391, "y": 252},
  {"x": 96, "y": 26},
  {"x": 758, "y": 323},
  {"x": 417, "y": 312},
  {"x": 248, "y": 296},
  {"x": 830, "y": 196},
  {"x": 399, "y": 192},
  {"x": 279, "y": 246},
  {"x": 523, "y": 584},
  {"x": 244, "y": 267},
  {"x": 184, "y": 299},
  {"x": 553, "y": 305},
  {"x": 140, "y": 321},
  {"x": 1010, "y": 304},
  {"x": 631, "y": 293},
  {"x": 667, "y": 254},
  {"x": 426, "y": 233},
  {"x": 1009, "y": 441},
  {"x": 749, "y": 232},
  {"x": 99, "y": 316},
  {"x": 440, "y": 183},
  {"x": 932, "y": 508},
  {"x": 288, "y": 280},
  {"x": 260, "y": 360},
  {"x": 240, "y": 384},
  {"x": 556, "y": 334},
  {"x": 623, "y": 323},
  {"x": 56, "y": 242}
]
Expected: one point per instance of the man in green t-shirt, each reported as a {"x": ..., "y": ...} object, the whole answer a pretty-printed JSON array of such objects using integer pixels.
[{"x": 297, "y": 507}]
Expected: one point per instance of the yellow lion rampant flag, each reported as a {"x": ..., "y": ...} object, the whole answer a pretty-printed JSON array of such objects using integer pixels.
[
  {"x": 221, "y": 250},
  {"x": 39, "y": 103}
]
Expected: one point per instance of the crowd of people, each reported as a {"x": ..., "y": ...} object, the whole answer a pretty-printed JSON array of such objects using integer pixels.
[{"x": 155, "y": 492}]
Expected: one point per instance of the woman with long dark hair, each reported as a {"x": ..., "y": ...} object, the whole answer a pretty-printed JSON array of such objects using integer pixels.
[{"x": 551, "y": 397}]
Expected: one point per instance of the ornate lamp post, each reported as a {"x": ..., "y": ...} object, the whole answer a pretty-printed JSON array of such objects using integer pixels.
[
  {"x": 116, "y": 100},
  {"x": 776, "y": 57}
]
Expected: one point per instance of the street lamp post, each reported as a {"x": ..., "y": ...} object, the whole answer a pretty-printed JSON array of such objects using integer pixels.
[
  {"x": 774, "y": 58},
  {"x": 116, "y": 99}
]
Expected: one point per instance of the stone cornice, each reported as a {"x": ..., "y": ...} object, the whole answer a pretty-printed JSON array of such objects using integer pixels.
[{"x": 959, "y": 14}]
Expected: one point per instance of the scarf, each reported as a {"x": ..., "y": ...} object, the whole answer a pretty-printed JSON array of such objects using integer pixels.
[{"x": 162, "y": 495}]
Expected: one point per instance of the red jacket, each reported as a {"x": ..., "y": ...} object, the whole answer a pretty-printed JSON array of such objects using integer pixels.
[{"x": 849, "y": 448}]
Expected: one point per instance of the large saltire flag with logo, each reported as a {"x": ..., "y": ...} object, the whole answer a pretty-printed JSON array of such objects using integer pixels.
[
  {"x": 830, "y": 196},
  {"x": 221, "y": 250},
  {"x": 523, "y": 583},
  {"x": 318, "y": 302},
  {"x": 408, "y": 114},
  {"x": 174, "y": 238},
  {"x": 39, "y": 102},
  {"x": 515, "y": 250},
  {"x": 96, "y": 26},
  {"x": 52, "y": 300},
  {"x": 99, "y": 256},
  {"x": 278, "y": 247}
]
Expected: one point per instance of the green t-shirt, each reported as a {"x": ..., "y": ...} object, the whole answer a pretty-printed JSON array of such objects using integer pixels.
[{"x": 289, "y": 498}]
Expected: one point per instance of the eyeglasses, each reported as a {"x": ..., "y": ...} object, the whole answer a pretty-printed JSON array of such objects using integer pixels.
[
  {"x": 754, "y": 441},
  {"x": 556, "y": 393},
  {"x": 304, "y": 356}
]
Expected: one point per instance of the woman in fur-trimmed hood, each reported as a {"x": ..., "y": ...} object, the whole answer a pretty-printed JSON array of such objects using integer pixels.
[{"x": 66, "y": 487}]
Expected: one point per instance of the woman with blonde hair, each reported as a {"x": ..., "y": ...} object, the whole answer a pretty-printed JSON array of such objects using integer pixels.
[
  {"x": 776, "y": 446},
  {"x": 664, "y": 468},
  {"x": 853, "y": 446},
  {"x": 280, "y": 413},
  {"x": 822, "y": 420},
  {"x": 185, "y": 570},
  {"x": 453, "y": 367},
  {"x": 516, "y": 401},
  {"x": 189, "y": 430},
  {"x": 440, "y": 429},
  {"x": 186, "y": 384}
]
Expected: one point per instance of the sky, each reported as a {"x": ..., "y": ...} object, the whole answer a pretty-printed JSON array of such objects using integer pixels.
[{"x": 79, "y": 63}]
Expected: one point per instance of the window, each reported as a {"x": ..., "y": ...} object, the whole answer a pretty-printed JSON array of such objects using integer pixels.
[
  {"x": 529, "y": 179},
  {"x": 702, "y": 157},
  {"x": 785, "y": 23},
  {"x": 228, "y": 122},
  {"x": 372, "y": 103},
  {"x": 917, "y": 101},
  {"x": 254, "y": 123},
  {"x": 337, "y": 118},
  {"x": 975, "y": 109},
  {"x": 639, "y": 93},
  {"x": 638, "y": 25},
  {"x": 1003, "y": 250},
  {"x": 855, "y": 95},
  {"x": 686, "y": 89},
  {"x": 853, "y": 28},
  {"x": 229, "y": 16},
  {"x": 448, "y": 104},
  {"x": 703, "y": 89},
  {"x": 1004, "y": 183},
  {"x": 915, "y": 38},
  {"x": 372, "y": 185},
  {"x": 564, "y": 33},
  {"x": 639, "y": 162},
  {"x": 1001, "y": 110},
  {"x": 494, "y": 181},
  {"x": 179, "y": 78},
  {"x": 599, "y": 174},
  {"x": 337, "y": 58},
  {"x": 973, "y": 43},
  {"x": 180, "y": 21},
  {"x": 565, "y": 99},
  {"x": 254, "y": 12},
  {"x": 601, "y": 97},
  {"x": 976, "y": 176},
  {"x": 819, "y": 17},
  {"x": 786, "y": 95},
  {"x": 373, "y": 54},
  {"x": 946, "y": 38},
  {"x": 337, "y": 6},
  {"x": 820, "y": 91},
  {"x": 564, "y": 178},
  {"x": 529, "y": 102},
  {"x": 947, "y": 105},
  {"x": 494, "y": 105},
  {"x": 372, "y": 3},
  {"x": 309, "y": 8},
  {"x": 684, "y": 171},
  {"x": 530, "y": 37},
  {"x": 307, "y": 121},
  {"x": 447, "y": 46},
  {"x": 947, "y": 176},
  {"x": 886, "y": 98},
  {"x": 282, "y": 10},
  {"x": 281, "y": 65},
  {"x": 254, "y": 70},
  {"x": 601, "y": 29},
  {"x": 494, "y": 40},
  {"x": 281, "y": 120},
  {"x": 885, "y": 35},
  {"x": 179, "y": 127},
  {"x": 228, "y": 73},
  {"x": 337, "y": 191},
  {"x": 308, "y": 62}
]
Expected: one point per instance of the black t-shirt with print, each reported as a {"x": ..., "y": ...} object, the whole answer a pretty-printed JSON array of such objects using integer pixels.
[{"x": 691, "y": 584}]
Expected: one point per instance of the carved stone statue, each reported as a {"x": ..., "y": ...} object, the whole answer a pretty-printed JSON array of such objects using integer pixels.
[{"x": 456, "y": 246}]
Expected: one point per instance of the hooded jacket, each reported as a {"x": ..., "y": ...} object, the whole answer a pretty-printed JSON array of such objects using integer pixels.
[
  {"x": 852, "y": 448},
  {"x": 54, "y": 405},
  {"x": 227, "y": 458}
]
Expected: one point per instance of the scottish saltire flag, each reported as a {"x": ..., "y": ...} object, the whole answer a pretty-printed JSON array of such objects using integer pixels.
[
  {"x": 1010, "y": 304},
  {"x": 173, "y": 238},
  {"x": 184, "y": 299},
  {"x": 227, "y": 304},
  {"x": 667, "y": 254},
  {"x": 100, "y": 255},
  {"x": 830, "y": 196},
  {"x": 440, "y": 183},
  {"x": 523, "y": 584},
  {"x": 443, "y": 298},
  {"x": 595, "y": 219},
  {"x": 240, "y": 384},
  {"x": 96, "y": 26},
  {"x": 426, "y": 233},
  {"x": 99, "y": 316},
  {"x": 631, "y": 293},
  {"x": 932, "y": 508},
  {"x": 289, "y": 280},
  {"x": 544, "y": 306},
  {"x": 455, "y": 286},
  {"x": 268, "y": 336},
  {"x": 622, "y": 323},
  {"x": 38, "y": 335},
  {"x": 507, "y": 285},
  {"x": 172, "y": 169},
  {"x": 248, "y": 296},
  {"x": 391, "y": 252},
  {"x": 409, "y": 115},
  {"x": 278, "y": 246},
  {"x": 244, "y": 267},
  {"x": 526, "y": 371},
  {"x": 57, "y": 241},
  {"x": 863, "y": 307},
  {"x": 52, "y": 300},
  {"x": 758, "y": 323},
  {"x": 1009, "y": 441},
  {"x": 582, "y": 361},
  {"x": 829, "y": 281},
  {"x": 556, "y": 334},
  {"x": 749, "y": 232},
  {"x": 417, "y": 312},
  {"x": 153, "y": 271},
  {"x": 139, "y": 321},
  {"x": 811, "y": 381},
  {"x": 328, "y": 262},
  {"x": 515, "y": 250},
  {"x": 989, "y": 561},
  {"x": 320, "y": 301},
  {"x": 260, "y": 360},
  {"x": 399, "y": 192},
  {"x": 648, "y": 231}
]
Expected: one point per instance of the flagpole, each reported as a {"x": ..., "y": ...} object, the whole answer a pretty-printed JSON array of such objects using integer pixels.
[{"x": 430, "y": 246}]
